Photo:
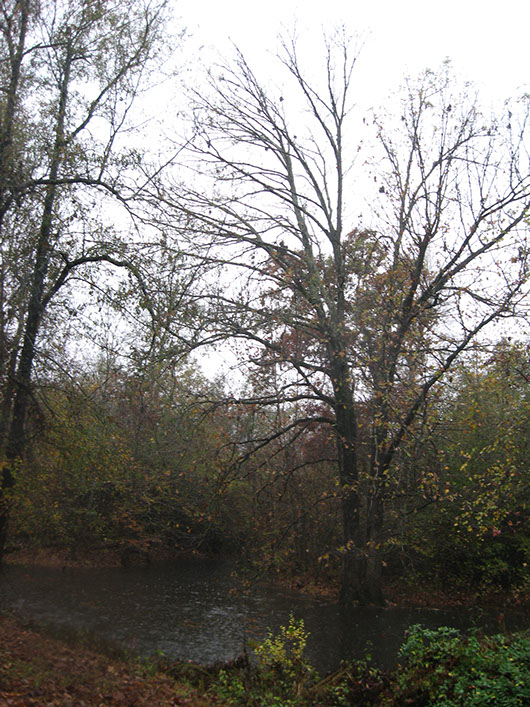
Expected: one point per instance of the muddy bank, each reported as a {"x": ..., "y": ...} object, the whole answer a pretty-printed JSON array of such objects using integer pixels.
[
  {"x": 38, "y": 670},
  {"x": 119, "y": 555}
]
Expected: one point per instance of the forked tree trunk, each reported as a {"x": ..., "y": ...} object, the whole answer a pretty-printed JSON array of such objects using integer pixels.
[
  {"x": 361, "y": 571},
  {"x": 361, "y": 566}
]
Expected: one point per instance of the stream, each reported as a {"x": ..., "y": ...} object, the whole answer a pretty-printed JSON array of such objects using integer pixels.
[{"x": 193, "y": 610}]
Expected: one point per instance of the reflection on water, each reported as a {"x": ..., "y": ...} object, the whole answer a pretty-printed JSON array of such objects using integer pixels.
[{"x": 193, "y": 611}]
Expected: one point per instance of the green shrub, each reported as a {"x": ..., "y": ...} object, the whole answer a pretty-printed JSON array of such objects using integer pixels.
[
  {"x": 442, "y": 667},
  {"x": 284, "y": 653},
  {"x": 280, "y": 675},
  {"x": 438, "y": 668}
]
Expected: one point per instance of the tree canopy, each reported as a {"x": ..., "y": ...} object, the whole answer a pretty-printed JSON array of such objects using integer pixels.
[
  {"x": 353, "y": 261},
  {"x": 359, "y": 324}
]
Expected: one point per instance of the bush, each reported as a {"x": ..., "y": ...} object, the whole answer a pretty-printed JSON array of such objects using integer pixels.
[
  {"x": 280, "y": 675},
  {"x": 438, "y": 668},
  {"x": 442, "y": 667}
]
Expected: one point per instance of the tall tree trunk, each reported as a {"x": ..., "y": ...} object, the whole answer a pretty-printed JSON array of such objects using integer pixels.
[
  {"x": 16, "y": 54},
  {"x": 374, "y": 562},
  {"x": 16, "y": 438},
  {"x": 362, "y": 565},
  {"x": 16, "y": 47},
  {"x": 346, "y": 433}
]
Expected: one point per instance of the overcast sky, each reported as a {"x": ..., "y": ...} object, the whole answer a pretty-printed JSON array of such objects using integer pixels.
[{"x": 487, "y": 41}]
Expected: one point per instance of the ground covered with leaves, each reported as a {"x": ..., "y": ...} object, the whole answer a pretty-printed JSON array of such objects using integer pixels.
[{"x": 38, "y": 670}]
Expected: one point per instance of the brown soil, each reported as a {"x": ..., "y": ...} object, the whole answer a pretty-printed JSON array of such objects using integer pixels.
[
  {"x": 400, "y": 593},
  {"x": 38, "y": 670},
  {"x": 98, "y": 557},
  {"x": 61, "y": 557}
]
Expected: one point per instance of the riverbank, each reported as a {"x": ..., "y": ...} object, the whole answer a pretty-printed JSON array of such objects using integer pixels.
[
  {"x": 398, "y": 592},
  {"x": 97, "y": 557},
  {"x": 36, "y": 669},
  {"x": 402, "y": 593},
  {"x": 437, "y": 666}
]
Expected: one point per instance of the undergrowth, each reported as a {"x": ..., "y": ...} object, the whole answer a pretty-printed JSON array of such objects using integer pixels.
[{"x": 437, "y": 667}]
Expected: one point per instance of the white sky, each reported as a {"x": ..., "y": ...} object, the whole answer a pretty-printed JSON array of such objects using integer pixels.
[{"x": 488, "y": 42}]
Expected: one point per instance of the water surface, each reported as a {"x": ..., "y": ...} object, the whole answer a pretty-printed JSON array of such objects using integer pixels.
[{"x": 194, "y": 610}]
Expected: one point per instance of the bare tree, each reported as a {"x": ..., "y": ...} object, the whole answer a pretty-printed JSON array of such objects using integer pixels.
[{"x": 362, "y": 323}]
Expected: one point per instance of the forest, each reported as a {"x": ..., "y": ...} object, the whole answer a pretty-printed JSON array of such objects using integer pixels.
[{"x": 256, "y": 321}]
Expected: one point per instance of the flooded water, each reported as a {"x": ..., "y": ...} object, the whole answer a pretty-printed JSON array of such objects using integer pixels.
[{"x": 194, "y": 610}]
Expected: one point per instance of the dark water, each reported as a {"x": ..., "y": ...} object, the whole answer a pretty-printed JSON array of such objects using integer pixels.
[{"x": 194, "y": 611}]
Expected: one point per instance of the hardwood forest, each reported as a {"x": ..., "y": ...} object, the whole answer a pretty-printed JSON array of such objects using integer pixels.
[{"x": 366, "y": 275}]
